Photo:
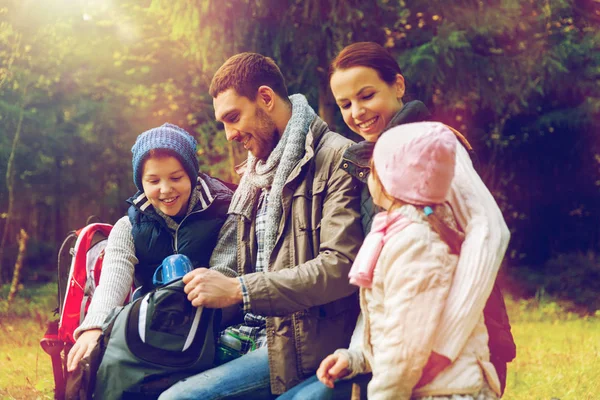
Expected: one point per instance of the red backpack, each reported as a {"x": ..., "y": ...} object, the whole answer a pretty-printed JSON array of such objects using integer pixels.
[
  {"x": 79, "y": 265},
  {"x": 83, "y": 278}
]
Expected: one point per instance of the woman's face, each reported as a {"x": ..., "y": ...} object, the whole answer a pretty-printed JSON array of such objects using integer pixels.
[
  {"x": 166, "y": 185},
  {"x": 366, "y": 101}
]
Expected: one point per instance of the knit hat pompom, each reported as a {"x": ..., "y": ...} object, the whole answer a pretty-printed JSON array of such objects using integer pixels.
[
  {"x": 415, "y": 162},
  {"x": 166, "y": 137}
]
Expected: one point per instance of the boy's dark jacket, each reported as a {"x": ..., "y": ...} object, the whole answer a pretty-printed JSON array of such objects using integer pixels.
[{"x": 195, "y": 237}]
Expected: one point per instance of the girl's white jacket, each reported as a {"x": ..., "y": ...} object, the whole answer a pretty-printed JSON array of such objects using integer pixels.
[{"x": 400, "y": 317}]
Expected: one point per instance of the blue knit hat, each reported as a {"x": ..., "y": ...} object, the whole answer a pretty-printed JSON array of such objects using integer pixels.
[{"x": 167, "y": 137}]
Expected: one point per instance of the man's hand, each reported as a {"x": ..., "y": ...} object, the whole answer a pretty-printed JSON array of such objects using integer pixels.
[
  {"x": 212, "y": 289},
  {"x": 435, "y": 364},
  {"x": 334, "y": 366}
]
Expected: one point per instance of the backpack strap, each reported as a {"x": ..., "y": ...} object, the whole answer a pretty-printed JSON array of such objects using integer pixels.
[
  {"x": 465, "y": 143},
  {"x": 53, "y": 346},
  {"x": 461, "y": 138},
  {"x": 97, "y": 237}
]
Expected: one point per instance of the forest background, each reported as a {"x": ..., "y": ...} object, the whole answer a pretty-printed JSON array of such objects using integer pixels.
[{"x": 79, "y": 80}]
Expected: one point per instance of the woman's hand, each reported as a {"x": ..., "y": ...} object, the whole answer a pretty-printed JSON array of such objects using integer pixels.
[
  {"x": 334, "y": 366},
  {"x": 435, "y": 364},
  {"x": 82, "y": 347}
]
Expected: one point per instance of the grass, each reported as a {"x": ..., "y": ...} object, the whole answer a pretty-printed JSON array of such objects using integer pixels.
[
  {"x": 26, "y": 368},
  {"x": 558, "y": 352},
  {"x": 558, "y": 349}
]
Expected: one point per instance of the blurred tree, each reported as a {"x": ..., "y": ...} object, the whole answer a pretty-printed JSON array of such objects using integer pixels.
[
  {"x": 63, "y": 115},
  {"x": 27, "y": 78},
  {"x": 519, "y": 78},
  {"x": 301, "y": 36}
]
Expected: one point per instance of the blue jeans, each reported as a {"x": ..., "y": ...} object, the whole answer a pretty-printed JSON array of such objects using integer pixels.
[
  {"x": 313, "y": 389},
  {"x": 246, "y": 377}
]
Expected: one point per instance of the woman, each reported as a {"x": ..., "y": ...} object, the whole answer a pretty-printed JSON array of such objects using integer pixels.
[
  {"x": 368, "y": 87},
  {"x": 176, "y": 210}
]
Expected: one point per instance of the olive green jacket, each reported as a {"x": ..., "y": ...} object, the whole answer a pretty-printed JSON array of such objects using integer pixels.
[{"x": 310, "y": 306}]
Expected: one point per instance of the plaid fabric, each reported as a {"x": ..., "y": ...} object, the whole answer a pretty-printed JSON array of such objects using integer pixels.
[
  {"x": 261, "y": 263},
  {"x": 252, "y": 334},
  {"x": 261, "y": 223},
  {"x": 245, "y": 297}
]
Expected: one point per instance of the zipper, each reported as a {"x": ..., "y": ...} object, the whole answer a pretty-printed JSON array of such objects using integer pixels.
[{"x": 181, "y": 223}]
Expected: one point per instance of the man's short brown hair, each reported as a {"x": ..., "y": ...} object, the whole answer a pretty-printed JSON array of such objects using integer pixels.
[{"x": 246, "y": 72}]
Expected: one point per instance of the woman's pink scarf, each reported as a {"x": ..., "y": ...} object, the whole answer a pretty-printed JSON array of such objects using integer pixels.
[{"x": 384, "y": 226}]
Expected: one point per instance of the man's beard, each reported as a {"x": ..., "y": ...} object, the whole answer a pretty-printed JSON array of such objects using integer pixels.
[{"x": 268, "y": 132}]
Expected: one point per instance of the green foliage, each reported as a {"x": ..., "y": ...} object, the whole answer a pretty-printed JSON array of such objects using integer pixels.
[
  {"x": 574, "y": 277},
  {"x": 543, "y": 307},
  {"x": 32, "y": 301},
  {"x": 519, "y": 78}
]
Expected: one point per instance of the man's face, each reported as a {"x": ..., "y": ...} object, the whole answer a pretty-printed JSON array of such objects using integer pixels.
[{"x": 245, "y": 121}]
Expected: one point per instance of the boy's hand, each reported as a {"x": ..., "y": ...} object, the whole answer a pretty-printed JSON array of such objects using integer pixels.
[
  {"x": 334, "y": 366},
  {"x": 82, "y": 347}
]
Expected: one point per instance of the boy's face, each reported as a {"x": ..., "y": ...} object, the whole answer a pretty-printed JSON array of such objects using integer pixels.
[
  {"x": 166, "y": 185},
  {"x": 246, "y": 121}
]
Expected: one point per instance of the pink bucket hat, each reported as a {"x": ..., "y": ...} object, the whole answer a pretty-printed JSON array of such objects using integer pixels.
[{"x": 415, "y": 162}]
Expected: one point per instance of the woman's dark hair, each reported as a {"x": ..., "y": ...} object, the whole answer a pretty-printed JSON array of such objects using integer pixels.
[{"x": 367, "y": 54}]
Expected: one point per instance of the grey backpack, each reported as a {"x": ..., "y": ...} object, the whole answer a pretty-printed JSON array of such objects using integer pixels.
[{"x": 151, "y": 343}]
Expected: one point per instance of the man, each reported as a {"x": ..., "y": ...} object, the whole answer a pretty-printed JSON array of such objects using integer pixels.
[{"x": 293, "y": 232}]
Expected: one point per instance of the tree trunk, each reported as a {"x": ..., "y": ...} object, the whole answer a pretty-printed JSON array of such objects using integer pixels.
[
  {"x": 327, "y": 106},
  {"x": 58, "y": 193},
  {"x": 14, "y": 286},
  {"x": 10, "y": 183}
]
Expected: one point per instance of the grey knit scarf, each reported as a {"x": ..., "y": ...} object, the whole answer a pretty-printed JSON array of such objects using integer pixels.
[{"x": 274, "y": 171}]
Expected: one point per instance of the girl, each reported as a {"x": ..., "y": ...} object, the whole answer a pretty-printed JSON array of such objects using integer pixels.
[
  {"x": 176, "y": 209},
  {"x": 405, "y": 270}
]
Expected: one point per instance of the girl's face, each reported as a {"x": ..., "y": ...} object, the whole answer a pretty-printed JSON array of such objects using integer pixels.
[
  {"x": 366, "y": 101},
  {"x": 377, "y": 194},
  {"x": 166, "y": 185}
]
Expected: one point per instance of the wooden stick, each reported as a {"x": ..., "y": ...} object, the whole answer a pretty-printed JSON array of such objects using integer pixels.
[{"x": 355, "y": 392}]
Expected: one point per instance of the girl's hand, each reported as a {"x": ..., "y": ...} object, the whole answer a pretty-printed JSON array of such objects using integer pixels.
[
  {"x": 82, "y": 347},
  {"x": 435, "y": 364},
  {"x": 334, "y": 366}
]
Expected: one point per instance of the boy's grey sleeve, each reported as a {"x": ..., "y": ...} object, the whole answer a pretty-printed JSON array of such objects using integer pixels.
[
  {"x": 224, "y": 256},
  {"x": 116, "y": 278}
]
